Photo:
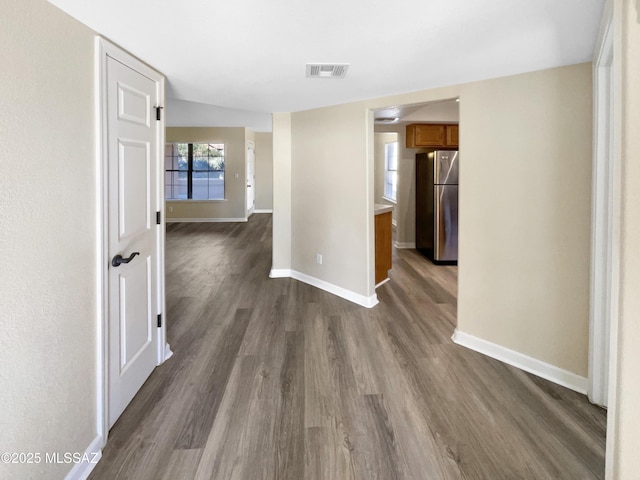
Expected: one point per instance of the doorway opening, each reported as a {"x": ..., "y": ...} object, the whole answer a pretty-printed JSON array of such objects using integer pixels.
[{"x": 397, "y": 186}]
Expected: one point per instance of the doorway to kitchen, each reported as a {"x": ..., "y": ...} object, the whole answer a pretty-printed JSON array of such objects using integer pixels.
[{"x": 395, "y": 184}]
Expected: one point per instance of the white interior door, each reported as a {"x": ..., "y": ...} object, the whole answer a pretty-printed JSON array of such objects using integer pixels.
[
  {"x": 132, "y": 233},
  {"x": 251, "y": 178}
]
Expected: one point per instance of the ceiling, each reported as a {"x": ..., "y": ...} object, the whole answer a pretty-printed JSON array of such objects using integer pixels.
[
  {"x": 442, "y": 111},
  {"x": 251, "y": 54}
]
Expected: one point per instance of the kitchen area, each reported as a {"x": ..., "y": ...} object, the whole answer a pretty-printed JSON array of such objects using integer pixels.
[{"x": 415, "y": 195}]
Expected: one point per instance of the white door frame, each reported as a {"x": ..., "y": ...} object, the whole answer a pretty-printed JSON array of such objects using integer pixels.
[
  {"x": 104, "y": 49},
  {"x": 605, "y": 224},
  {"x": 250, "y": 208}
]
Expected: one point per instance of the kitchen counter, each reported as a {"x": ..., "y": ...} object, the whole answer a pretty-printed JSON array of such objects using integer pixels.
[{"x": 380, "y": 208}]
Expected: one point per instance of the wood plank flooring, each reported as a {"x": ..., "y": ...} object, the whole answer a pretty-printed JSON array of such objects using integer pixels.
[{"x": 274, "y": 379}]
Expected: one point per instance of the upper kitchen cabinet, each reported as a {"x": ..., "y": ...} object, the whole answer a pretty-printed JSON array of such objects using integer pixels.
[{"x": 432, "y": 135}]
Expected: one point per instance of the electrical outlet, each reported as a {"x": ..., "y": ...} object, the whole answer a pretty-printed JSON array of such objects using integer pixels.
[
  {"x": 170, "y": 209},
  {"x": 319, "y": 258}
]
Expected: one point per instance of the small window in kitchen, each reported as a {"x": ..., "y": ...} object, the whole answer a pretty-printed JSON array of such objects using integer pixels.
[
  {"x": 194, "y": 171},
  {"x": 391, "y": 171}
]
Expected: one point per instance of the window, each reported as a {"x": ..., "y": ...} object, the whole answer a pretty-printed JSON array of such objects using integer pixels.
[
  {"x": 194, "y": 171},
  {"x": 391, "y": 170}
]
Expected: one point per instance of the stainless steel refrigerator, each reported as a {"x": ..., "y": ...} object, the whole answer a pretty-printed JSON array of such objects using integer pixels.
[{"x": 437, "y": 205}]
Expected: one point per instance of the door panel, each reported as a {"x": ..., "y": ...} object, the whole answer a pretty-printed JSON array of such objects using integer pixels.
[
  {"x": 134, "y": 202},
  {"x": 132, "y": 171},
  {"x": 133, "y": 105},
  {"x": 135, "y": 335}
]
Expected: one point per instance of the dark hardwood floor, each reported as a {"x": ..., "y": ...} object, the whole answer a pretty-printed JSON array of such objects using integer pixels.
[{"x": 274, "y": 379}]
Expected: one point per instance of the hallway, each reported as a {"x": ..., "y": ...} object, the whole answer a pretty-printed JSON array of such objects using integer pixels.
[{"x": 272, "y": 378}]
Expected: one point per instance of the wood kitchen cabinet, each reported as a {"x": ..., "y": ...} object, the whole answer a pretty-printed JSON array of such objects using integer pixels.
[
  {"x": 432, "y": 135},
  {"x": 383, "y": 245}
]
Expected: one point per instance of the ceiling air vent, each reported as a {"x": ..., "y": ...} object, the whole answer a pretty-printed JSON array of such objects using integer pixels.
[{"x": 327, "y": 70}]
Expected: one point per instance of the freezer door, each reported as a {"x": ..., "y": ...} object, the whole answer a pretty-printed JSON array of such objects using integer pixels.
[
  {"x": 446, "y": 223},
  {"x": 445, "y": 167}
]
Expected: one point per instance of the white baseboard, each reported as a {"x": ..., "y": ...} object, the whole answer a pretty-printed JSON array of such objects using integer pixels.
[
  {"x": 92, "y": 455},
  {"x": 383, "y": 282},
  {"x": 263, "y": 210},
  {"x": 205, "y": 220},
  {"x": 167, "y": 352},
  {"x": 524, "y": 362},
  {"x": 368, "y": 302},
  {"x": 404, "y": 245},
  {"x": 280, "y": 273}
]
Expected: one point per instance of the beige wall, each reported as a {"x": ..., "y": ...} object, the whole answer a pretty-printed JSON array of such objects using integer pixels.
[
  {"x": 331, "y": 200},
  {"x": 381, "y": 139},
  {"x": 525, "y": 193},
  {"x": 235, "y": 144},
  {"x": 524, "y": 206},
  {"x": 264, "y": 171},
  {"x": 48, "y": 237},
  {"x": 281, "y": 191},
  {"x": 624, "y": 414}
]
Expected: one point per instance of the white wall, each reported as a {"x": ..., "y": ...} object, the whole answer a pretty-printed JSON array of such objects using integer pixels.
[
  {"x": 235, "y": 145},
  {"x": 264, "y": 171},
  {"x": 48, "y": 237},
  {"x": 181, "y": 113}
]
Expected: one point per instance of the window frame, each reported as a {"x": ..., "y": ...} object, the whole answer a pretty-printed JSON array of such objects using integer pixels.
[
  {"x": 388, "y": 194},
  {"x": 191, "y": 170}
]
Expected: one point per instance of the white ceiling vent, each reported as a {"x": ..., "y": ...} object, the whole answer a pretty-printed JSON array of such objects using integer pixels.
[{"x": 327, "y": 70}]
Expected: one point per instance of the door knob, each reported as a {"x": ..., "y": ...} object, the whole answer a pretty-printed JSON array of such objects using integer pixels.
[{"x": 118, "y": 260}]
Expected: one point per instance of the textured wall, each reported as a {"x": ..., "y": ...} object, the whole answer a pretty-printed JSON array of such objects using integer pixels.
[
  {"x": 48, "y": 240},
  {"x": 264, "y": 171}
]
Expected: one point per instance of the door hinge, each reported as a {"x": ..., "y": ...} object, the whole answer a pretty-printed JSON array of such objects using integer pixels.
[
  {"x": 159, "y": 320},
  {"x": 157, "y": 218},
  {"x": 158, "y": 112}
]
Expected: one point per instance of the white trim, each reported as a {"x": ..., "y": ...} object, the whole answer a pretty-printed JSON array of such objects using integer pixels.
[
  {"x": 394, "y": 223},
  {"x": 522, "y": 361},
  {"x": 206, "y": 220},
  {"x": 82, "y": 470},
  {"x": 195, "y": 200},
  {"x": 605, "y": 214},
  {"x": 404, "y": 245},
  {"x": 168, "y": 353},
  {"x": 280, "y": 273},
  {"x": 263, "y": 210},
  {"x": 368, "y": 302},
  {"x": 104, "y": 49},
  {"x": 383, "y": 282}
]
